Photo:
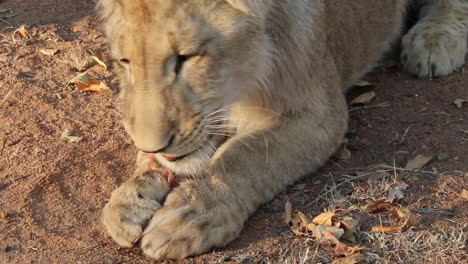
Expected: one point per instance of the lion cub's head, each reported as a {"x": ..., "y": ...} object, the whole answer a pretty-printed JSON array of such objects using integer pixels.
[{"x": 181, "y": 64}]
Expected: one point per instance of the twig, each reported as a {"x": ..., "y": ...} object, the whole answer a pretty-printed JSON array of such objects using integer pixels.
[
  {"x": 392, "y": 168},
  {"x": 454, "y": 121},
  {"x": 6, "y": 96},
  {"x": 436, "y": 113},
  {"x": 384, "y": 104},
  {"x": 404, "y": 134},
  {"x": 6, "y": 22}
]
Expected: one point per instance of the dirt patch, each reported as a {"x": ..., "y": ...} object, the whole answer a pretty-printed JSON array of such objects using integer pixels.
[{"x": 52, "y": 191}]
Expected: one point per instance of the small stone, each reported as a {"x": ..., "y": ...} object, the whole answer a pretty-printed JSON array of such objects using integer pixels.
[
  {"x": 3, "y": 215},
  {"x": 443, "y": 156}
]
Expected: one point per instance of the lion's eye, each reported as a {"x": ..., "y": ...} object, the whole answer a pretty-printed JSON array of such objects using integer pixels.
[
  {"x": 124, "y": 61},
  {"x": 181, "y": 59}
]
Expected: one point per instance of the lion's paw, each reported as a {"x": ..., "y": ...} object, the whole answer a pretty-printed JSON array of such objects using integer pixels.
[
  {"x": 433, "y": 49},
  {"x": 191, "y": 224},
  {"x": 130, "y": 208}
]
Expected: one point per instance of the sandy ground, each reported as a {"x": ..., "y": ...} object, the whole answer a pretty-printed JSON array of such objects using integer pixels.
[{"x": 52, "y": 191}]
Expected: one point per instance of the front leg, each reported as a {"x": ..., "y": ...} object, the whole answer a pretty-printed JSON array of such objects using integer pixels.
[
  {"x": 437, "y": 44},
  {"x": 132, "y": 205},
  {"x": 245, "y": 173}
]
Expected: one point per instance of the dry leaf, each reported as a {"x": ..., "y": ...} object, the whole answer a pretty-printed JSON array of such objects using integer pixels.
[
  {"x": 70, "y": 139},
  {"x": 459, "y": 102},
  {"x": 388, "y": 229},
  {"x": 97, "y": 57},
  {"x": 350, "y": 227},
  {"x": 404, "y": 213},
  {"x": 353, "y": 259},
  {"x": 377, "y": 206},
  {"x": 311, "y": 227},
  {"x": 294, "y": 222},
  {"x": 22, "y": 31},
  {"x": 363, "y": 98},
  {"x": 418, "y": 162},
  {"x": 406, "y": 217},
  {"x": 305, "y": 220},
  {"x": 86, "y": 84},
  {"x": 464, "y": 194},
  {"x": 362, "y": 83},
  {"x": 340, "y": 247},
  {"x": 324, "y": 218},
  {"x": 296, "y": 226},
  {"x": 92, "y": 86},
  {"x": 82, "y": 77},
  {"x": 320, "y": 231},
  {"x": 48, "y": 52},
  {"x": 343, "y": 154}
]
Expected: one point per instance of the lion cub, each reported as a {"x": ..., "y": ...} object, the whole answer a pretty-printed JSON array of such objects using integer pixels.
[{"x": 240, "y": 98}]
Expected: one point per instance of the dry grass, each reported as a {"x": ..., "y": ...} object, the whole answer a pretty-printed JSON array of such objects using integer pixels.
[
  {"x": 77, "y": 59},
  {"x": 438, "y": 239}
]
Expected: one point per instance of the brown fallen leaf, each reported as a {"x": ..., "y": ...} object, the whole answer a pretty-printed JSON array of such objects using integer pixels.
[
  {"x": 377, "y": 206},
  {"x": 343, "y": 154},
  {"x": 406, "y": 218},
  {"x": 92, "y": 86},
  {"x": 325, "y": 218},
  {"x": 85, "y": 84},
  {"x": 362, "y": 83},
  {"x": 418, "y": 162},
  {"x": 353, "y": 259},
  {"x": 387, "y": 229},
  {"x": 98, "y": 57},
  {"x": 48, "y": 52},
  {"x": 363, "y": 98},
  {"x": 409, "y": 218},
  {"x": 22, "y": 31},
  {"x": 294, "y": 222},
  {"x": 341, "y": 249}
]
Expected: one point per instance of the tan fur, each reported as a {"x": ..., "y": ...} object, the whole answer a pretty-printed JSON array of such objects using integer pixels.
[{"x": 252, "y": 90}]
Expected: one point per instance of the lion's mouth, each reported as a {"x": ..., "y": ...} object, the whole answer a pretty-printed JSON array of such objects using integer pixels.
[
  {"x": 214, "y": 146},
  {"x": 174, "y": 159}
]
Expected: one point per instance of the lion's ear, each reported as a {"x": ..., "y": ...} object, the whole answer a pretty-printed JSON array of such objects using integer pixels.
[{"x": 252, "y": 7}]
